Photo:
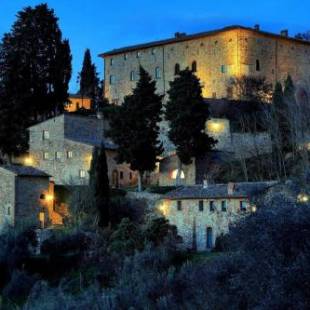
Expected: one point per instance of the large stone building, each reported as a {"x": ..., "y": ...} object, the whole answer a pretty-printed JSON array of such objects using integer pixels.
[
  {"x": 215, "y": 56},
  {"x": 63, "y": 147},
  {"x": 26, "y": 197},
  {"x": 202, "y": 213}
]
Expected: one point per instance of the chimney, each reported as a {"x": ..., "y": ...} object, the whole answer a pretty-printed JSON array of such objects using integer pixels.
[
  {"x": 179, "y": 35},
  {"x": 257, "y": 27},
  {"x": 284, "y": 33},
  {"x": 230, "y": 188}
]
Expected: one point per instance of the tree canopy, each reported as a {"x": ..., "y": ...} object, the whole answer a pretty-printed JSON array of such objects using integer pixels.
[
  {"x": 187, "y": 113},
  {"x": 35, "y": 70},
  {"x": 134, "y": 126}
]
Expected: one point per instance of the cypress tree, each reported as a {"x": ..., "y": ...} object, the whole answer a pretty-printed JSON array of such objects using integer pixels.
[
  {"x": 89, "y": 81},
  {"x": 134, "y": 127},
  {"x": 99, "y": 185},
  {"x": 187, "y": 113},
  {"x": 35, "y": 69}
]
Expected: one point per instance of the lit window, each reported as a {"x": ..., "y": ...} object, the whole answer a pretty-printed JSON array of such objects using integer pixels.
[
  {"x": 45, "y": 155},
  {"x": 58, "y": 155},
  {"x": 212, "y": 206},
  {"x": 179, "y": 205},
  {"x": 242, "y": 205},
  {"x": 69, "y": 154},
  {"x": 112, "y": 79},
  {"x": 194, "y": 66},
  {"x": 175, "y": 174},
  {"x": 224, "y": 205},
  {"x": 82, "y": 174},
  {"x": 157, "y": 73},
  {"x": 215, "y": 126},
  {"x": 201, "y": 205},
  {"x": 46, "y": 135},
  {"x": 132, "y": 75}
]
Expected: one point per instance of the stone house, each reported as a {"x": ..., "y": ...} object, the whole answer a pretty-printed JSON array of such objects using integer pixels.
[
  {"x": 215, "y": 56},
  {"x": 62, "y": 147},
  {"x": 26, "y": 197},
  {"x": 202, "y": 213},
  {"x": 77, "y": 102}
]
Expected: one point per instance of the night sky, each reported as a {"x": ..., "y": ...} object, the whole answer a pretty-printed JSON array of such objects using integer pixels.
[{"x": 102, "y": 25}]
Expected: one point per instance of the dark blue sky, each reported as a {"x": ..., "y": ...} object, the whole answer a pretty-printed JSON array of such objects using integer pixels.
[{"x": 106, "y": 24}]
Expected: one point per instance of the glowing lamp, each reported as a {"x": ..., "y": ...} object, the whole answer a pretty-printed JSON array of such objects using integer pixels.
[
  {"x": 215, "y": 126},
  {"x": 254, "y": 209},
  {"x": 28, "y": 161},
  {"x": 49, "y": 197},
  {"x": 303, "y": 198}
]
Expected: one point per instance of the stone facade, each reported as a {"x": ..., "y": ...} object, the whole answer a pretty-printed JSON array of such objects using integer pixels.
[
  {"x": 217, "y": 55},
  {"x": 63, "y": 147},
  {"x": 202, "y": 214},
  {"x": 23, "y": 191}
]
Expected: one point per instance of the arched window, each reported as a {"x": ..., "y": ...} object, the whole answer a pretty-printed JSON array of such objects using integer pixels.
[
  {"x": 157, "y": 73},
  {"x": 194, "y": 66},
  {"x": 176, "y": 69},
  {"x": 257, "y": 65},
  {"x": 132, "y": 75}
]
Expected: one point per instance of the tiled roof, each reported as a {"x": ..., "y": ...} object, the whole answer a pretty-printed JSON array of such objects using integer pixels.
[
  {"x": 244, "y": 190},
  {"x": 25, "y": 171},
  {"x": 183, "y": 38}
]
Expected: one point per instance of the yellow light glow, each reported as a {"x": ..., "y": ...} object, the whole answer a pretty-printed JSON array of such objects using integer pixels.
[
  {"x": 303, "y": 198},
  {"x": 215, "y": 126},
  {"x": 174, "y": 174},
  {"x": 254, "y": 209},
  {"x": 163, "y": 208},
  {"x": 28, "y": 161},
  {"x": 49, "y": 197}
]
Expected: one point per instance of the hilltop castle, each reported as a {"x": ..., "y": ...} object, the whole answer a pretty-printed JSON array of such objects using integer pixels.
[{"x": 215, "y": 56}]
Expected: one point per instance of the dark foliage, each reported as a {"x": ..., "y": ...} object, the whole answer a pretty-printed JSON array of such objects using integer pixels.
[
  {"x": 134, "y": 126},
  {"x": 187, "y": 113},
  {"x": 35, "y": 69}
]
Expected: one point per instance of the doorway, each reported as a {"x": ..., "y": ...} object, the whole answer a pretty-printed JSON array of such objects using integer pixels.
[{"x": 209, "y": 238}]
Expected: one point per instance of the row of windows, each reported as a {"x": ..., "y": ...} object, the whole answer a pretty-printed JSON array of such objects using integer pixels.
[
  {"x": 134, "y": 76},
  {"x": 58, "y": 155},
  {"x": 212, "y": 206}
]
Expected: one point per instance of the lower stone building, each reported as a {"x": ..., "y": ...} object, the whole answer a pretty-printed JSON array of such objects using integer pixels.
[
  {"x": 26, "y": 197},
  {"x": 202, "y": 213}
]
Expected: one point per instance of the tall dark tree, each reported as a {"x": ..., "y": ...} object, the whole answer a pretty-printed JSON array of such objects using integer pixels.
[
  {"x": 187, "y": 113},
  {"x": 99, "y": 185},
  {"x": 134, "y": 127},
  {"x": 35, "y": 69},
  {"x": 89, "y": 81}
]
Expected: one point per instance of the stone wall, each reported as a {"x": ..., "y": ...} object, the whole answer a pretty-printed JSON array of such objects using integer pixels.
[
  {"x": 238, "y": 50},
  {"x": 7, "y": 198},
  {"x": 192, "y": 223},
  {"x": 28, "y": 202}
]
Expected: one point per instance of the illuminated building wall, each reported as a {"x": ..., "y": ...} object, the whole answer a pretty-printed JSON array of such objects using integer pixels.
[{"x": 219, "y": 55}]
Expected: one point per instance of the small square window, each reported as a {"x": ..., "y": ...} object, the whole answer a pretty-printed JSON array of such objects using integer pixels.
[
  {"x": 46, "y": 135},
  {"x": 45, "y": 155},
  {"x": 82, "y": 174},
  {"x": 212, "y": 206},
  {"x": 69, "y": 154},
  {"x": 224, "y": 205},
  {"x": 201, "y": 205},
  {"x": 58, "y": 155},
  {"x": 243, "y": 206},
  {"x": 125, "y": 56},
  {"x": 138, "y": 54},
  {"x": 179, "y": 205}
]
